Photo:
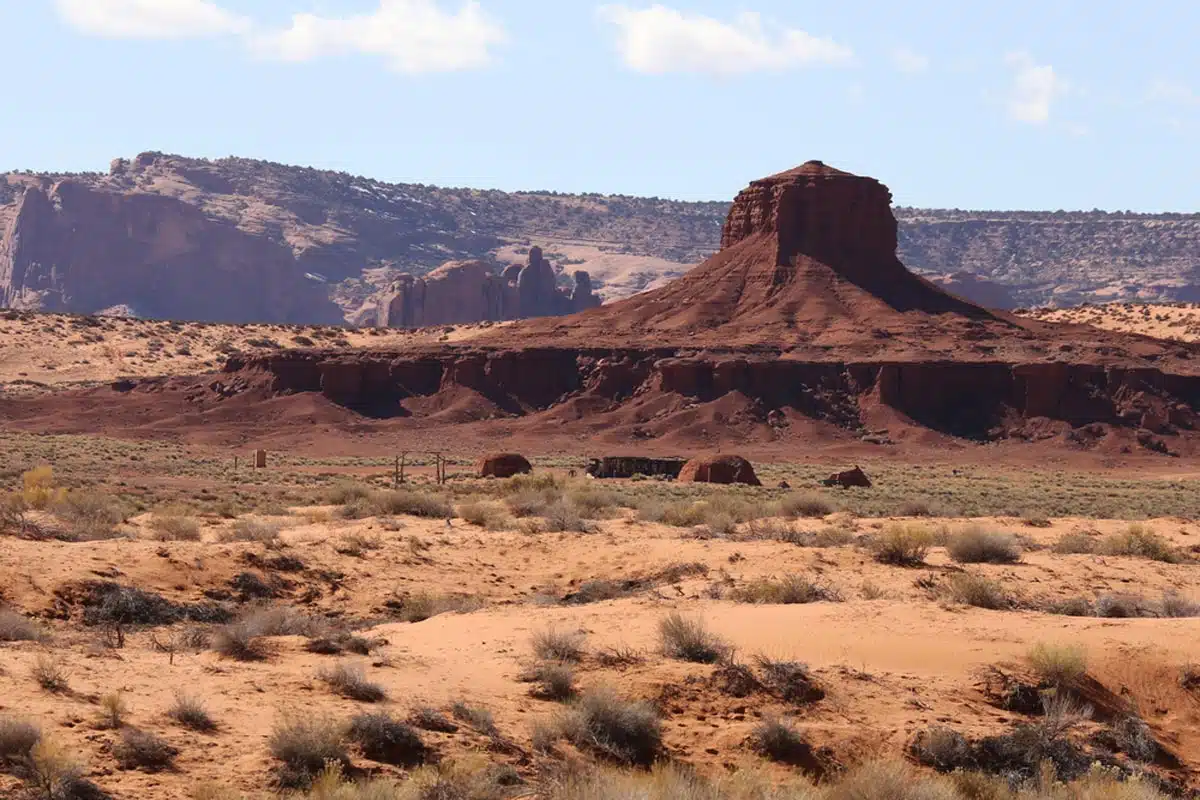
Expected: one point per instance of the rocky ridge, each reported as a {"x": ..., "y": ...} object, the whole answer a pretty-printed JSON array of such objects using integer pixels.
[{"x": 173, "y": 233}]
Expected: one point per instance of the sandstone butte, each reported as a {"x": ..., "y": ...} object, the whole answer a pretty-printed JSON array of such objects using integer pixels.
[{"x": 805, "y": 325}]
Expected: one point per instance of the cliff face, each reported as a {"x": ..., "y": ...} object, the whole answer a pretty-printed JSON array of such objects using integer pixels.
[
  {"x": 470, "y": 291},
  {"x": 75, "y": 248}
]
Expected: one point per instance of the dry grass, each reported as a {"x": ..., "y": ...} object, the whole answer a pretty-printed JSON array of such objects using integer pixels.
[
  {"x": 806, "y": 504},
  {"x": 611, "y": 727},
  {"x": 17, "y": 738},
  {"x": 788, "y": 590},
  {"x": 113, "y": 710},
  {"x": 778, "y": 740},
  {"x": 304, "y": 744},
  {"x": 486, "y": 514},
  {"x": 903, "y": 545},
  {"x": 175, "y": 528},
  {"x": 977, "y": 591},
  {"x": 478, "y": 719},
  {"x": 976, "y": 545},
  {"x": 350, "y": 681},
  {"x": 387, "y": 740},
  {"x": 689, "y": 639},
  {"x": 1074, "y": 542},
  {"x": 50, "y": 674},
  {"x": 189, "y": 712},
  {"x": 1058, "y": 664},
  {"x": 412, "y": 503},
  {"x": 143, "y": 750},
  {"x": 555, "y": 681},
  {"x": 252, "y": 530},
  {"x": 16, "y": 627},
  {"x": 555, "y": 645},
  {"x": 1139, "y": 542},
  {"x": 421, "y": 606}
]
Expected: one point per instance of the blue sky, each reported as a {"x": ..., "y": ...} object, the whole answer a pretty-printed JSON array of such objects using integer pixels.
[{"x": 1039, "y": 104}]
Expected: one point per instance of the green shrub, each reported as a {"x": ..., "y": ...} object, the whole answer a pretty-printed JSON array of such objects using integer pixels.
[{"x": 1139, "y": 542}]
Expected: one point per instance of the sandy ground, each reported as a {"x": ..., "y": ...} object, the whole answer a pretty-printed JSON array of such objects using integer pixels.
[
  {"x": 891, "y": 665},
  {"x": 62, "y": 350},
  {"x": 1179, "y": 321}
]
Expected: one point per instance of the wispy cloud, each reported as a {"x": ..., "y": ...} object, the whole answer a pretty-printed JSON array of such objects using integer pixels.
[
  {"x": 1173, "y": 92},
  {"x": 1034, "y": 90},
  {"x": 659, "y": 40},
  {"x": 910, "y": 61},
  {"x": 150, "y": 19},
  {"x": 413, "y": 36}
]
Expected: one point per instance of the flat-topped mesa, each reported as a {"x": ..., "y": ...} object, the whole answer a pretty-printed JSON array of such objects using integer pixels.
[{"x": 814, "y": 210}]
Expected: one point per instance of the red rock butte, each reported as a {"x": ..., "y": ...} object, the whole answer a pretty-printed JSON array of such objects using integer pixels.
[{"x": 808, "y": 257}]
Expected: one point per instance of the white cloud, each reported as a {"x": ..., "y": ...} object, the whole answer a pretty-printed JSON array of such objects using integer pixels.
[
  {"x": 150, "y": 19},
  {"x": 659, "y": 40},
  {"x": 414, "y": 36},
  {"x": 1035, "y": 88},
  {"x": 1172, "y": 92},
  {"x": 910, "y": 61}
]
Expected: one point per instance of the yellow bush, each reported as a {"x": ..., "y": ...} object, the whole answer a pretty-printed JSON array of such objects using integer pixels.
[{"x": 37, "y": 487}]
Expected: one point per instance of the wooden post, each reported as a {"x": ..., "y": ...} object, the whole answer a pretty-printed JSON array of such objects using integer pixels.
[
  {"x": 260, "y": 459},
  {"x": 403, "y": 458},
  {"x": 235, "y": 463},
  {"x": 396, "y": 474}
]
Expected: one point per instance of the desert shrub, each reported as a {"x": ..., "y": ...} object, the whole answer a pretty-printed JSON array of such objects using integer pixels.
[
  {"x": 413, "y": 503},
  {"x": 894, "y": 780},
  {"x": 806, "y": 504},
  {"x": 252, "y": 530},
  {"x": 479, "y": 719},
  {"x": 349, "y": 681},
  {"x": 113, "y": 604},
  {"x": 777, "y": 740},
  {"x": 767, "y": 529},
  {"x": 1133, "y": 737},
  {"x": 592, "y": 502},
  {"x": 1075, "y": 542},
  {"x": 1173, "y": 605},
  {"x": 902, "y": 545},
  {"x": 1070, "y": 607},
  {"x": 175, "y": 528},
  {"x": 344, "y": 492},
  {"x": 555, "y": 645},
  {"x": 976, "y": 545},
  {"x": 387, "y": 740},
  {"x": 16, "y": 627},
  {"x": 356, "y": 508},
  {"x": 13, "y": 511},
  {"x": 430, "y": 719},
  {"x": 357, "y": 545},
  {"x": 189, "y": 712},
  {"x": 611, "y": 727},
  {"x": 689, "y": 639},
  {"x": 788, "y": 590},
  {"x": 977, "y": 591},
  {"x": 555, "y": 680},
  {"x": 485, "y": 514},
  {"x": 37, "y": 488},
  {"x": 49, "y": 674},
  {"x": 90, "y": 515},
  {"x": 304, "y": 744},
  {"x": 918, "y": 507},
  {"x": 1139, "y": 542},
  {"x": 1058, "y": 664},
  {"x": 17, "y": 738},
  {"x": 829, "y": 536},
  {"x": 790, "y": 680},
  {"x": 941, "y": 748},
  {"x": 421, "y": 606},
  {"x": 54, "y": 773},
  {"x": 1122, "y": 606},
  {"x": 336, "y": 644},
  {"x": 563, "y": 517},
  {"x": 531, "y": 502},
  {"x": 139, "y": 749},
  {"x": 113, "y": 710}
]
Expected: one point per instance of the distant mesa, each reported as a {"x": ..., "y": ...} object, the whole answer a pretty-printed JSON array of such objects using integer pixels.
[
  {"x": 976, "y": 289},
  {"x": 471, "y": 291}
]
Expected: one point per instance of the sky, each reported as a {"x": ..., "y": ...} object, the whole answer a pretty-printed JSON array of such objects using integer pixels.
[{"x": 1023, "y": 104}]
